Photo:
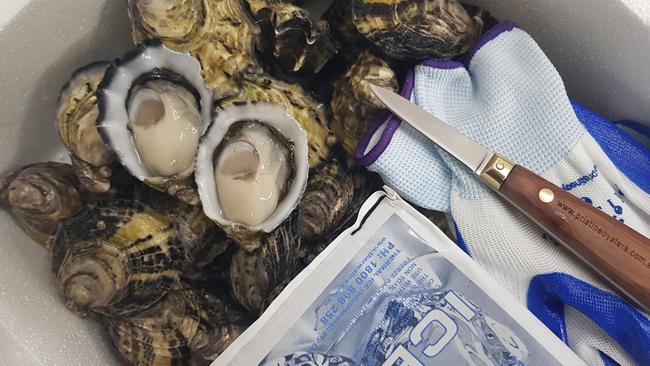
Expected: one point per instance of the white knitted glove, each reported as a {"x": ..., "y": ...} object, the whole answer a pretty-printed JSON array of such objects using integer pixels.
[{"x": 506, "y": 95}]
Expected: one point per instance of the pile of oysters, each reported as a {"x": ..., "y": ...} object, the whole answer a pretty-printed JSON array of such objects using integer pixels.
[{"x": 213, "y": 162}]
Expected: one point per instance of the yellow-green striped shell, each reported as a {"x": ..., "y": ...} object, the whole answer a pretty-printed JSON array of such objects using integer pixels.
[
  {"x": 417, "y": 29},
  {"x": 185, "y": 327},
  {"x": 117, "y": 258},
  {"x": 253, "y": 275},
  {"x": 290, "y": 39},
  {"x": 354, "y": 106},
  {"x": 220, "y": 33},
  {"x": 40, "y": 196}
]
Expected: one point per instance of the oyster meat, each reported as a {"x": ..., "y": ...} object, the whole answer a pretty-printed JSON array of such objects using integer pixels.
[
  {"x": 76, "y": 117},
  {"x": 118, "y": 258},
  {"x": 417, "y": 29},
  {"x": 311, "y": 115},
  {"x": 220, "y": 33},
  {"x": 254, "y": 275},
  {"x": 251, "y": 170},
  {"x": 154, "y": 107},
  {"x": 185, "y": 327},
  {"x": 354, "y": 106},
  {"x": 40, "y": 196},
  {"x": 290, "y": 38}
]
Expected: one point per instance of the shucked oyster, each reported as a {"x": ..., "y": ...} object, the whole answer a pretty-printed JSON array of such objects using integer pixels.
[
  {"x": 185, "y": 327},
  {"x": 310, "y": 115},
  {"x": 220, "y": 33},
  {"x": 417, "y": 29},
  {"x": 119, "y": 258},
  {"x": 354, "y": 106},
  {"x": 40, "y": 196},
  {"x": 154, "y": 107},
  {"x": 76, "y": 122},
  {"x": 251, "y": 170},
  {"x": 290, "y": 38},
  {"x": 254, "y": 275}
]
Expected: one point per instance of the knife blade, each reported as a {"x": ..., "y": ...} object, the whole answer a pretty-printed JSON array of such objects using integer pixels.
[{"x": 618, "y": 253}]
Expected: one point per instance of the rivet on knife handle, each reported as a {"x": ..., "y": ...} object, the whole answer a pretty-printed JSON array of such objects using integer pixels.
[
  {"x": 496, "y": 171},
  {"x": 618, "y": 253}
]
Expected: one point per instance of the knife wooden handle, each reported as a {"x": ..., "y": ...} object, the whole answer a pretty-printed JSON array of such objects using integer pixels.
[{"x": 618, "y": 253}]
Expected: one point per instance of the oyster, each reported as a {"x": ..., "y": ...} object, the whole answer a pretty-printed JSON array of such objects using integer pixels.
[
  {"x": 118, "y": 258},
  {"x": 76, "y": 117},
  {"x": 40, "y": 196},
  {"x": 310, "y": 115},
  {"x": 326, "y": 200},
  {"x": 185, "y": 327},
  {"x": 154, "y": 107},
  {"x": 220, "y": 33},
  {"x": 251, "y": 170},
  {"x": 354, "y": 106},
  {"x": 339, "y": 17},
  {"x": 253, "y": 275},
  {"x": 290, "y": 38},
  {"x": 345, "y": 210},
  {"x": 416, "y": 30}
]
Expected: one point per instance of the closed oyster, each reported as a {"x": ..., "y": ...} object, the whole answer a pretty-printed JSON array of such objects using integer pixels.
[
  {"x": 417, "y": 29},
  {"x": 251, "y": 170},
  {"x": 118, "y": 258},
  {"x": 40, "y": 196},
  {"x": 354, "y": 106},
  {"x": 76, "y": 122},
  {"x": 154, "y": 108},
  {"x": 185, "y": 327},
  {"x": 348, "y": 204},
  {"x": 289, "y": 37},
  {"x": 220, "y": 33},
  {"x": 253, "y": 275},
  {"x": 311, "y": 115},
  {"x": 330, "y": 190},
  {"x": 339, "y": 17}
]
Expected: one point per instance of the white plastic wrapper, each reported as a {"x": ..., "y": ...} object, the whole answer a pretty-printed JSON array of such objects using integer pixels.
[{"x": 394, "y": 290}]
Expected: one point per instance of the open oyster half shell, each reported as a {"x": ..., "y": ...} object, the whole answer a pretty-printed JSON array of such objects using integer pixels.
[
  {"x": 154, "y": 107},
  {"x": 251, "y": 171}
]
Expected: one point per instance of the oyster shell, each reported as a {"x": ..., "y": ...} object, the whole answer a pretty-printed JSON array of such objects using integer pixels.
[
  {"x": 118, "y": 258},
  {"x": 153, "y": 98},
  {"x": 289, "y": 37},
  {"x": 40, "y": 196},
  {"x": 185, "y": 327},
  {"x": 253, "y": 275},
  {"x": 339, "y": 17},
  {"x": 311, "y": 115},
  {"x": 251, "y": 170},
  {"x": 354, "y": 106},
  {"x": 76, "y": 117},
  {"x": 220, "y": 33},
  {"x": 415, "y": 30},
  {"x": 348, "y": 204},
  {"x": 326, "y": 199}
]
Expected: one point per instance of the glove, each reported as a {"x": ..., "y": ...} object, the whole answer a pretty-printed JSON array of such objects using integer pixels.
[{"x": 506, "y": 95}]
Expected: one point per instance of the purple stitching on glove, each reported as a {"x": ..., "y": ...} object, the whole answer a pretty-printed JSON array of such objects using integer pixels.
[
  {"x": 442, "y": 64},
  {"x": 387, "y": 134},
  {"x": 488, "y": 36},
  {"x": 393, "y": 122}
]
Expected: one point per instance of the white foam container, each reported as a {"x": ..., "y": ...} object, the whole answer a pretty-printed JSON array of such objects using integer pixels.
[{"x": 601, "y": 48}]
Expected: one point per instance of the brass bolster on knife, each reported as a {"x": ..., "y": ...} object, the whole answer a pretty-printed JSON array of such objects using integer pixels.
[{"x": 496, "y": 171}]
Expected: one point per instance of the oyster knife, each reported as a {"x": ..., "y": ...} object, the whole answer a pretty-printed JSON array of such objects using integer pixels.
[{"x": 619, "y": 254}]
